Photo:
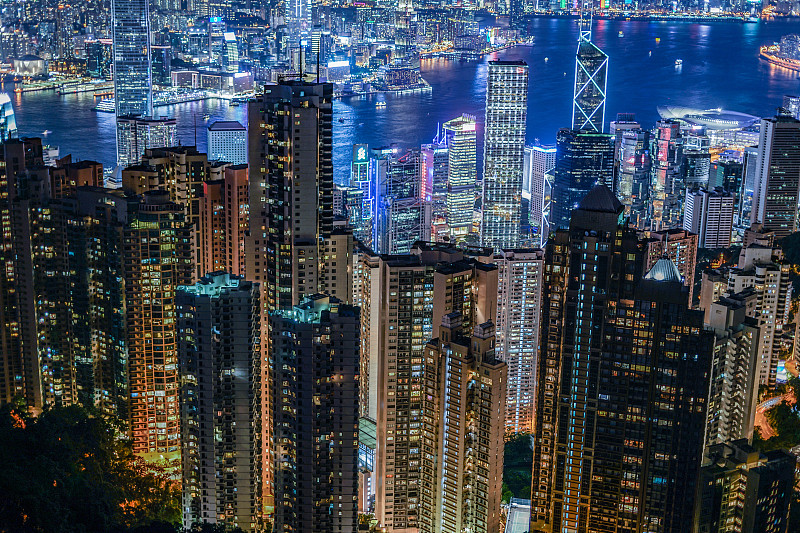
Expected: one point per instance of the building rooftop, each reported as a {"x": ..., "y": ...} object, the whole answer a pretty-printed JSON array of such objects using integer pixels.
[
  {"x": 600, "y": 199},
  {"x": 664, "y": 270},
  {"x": 226, "y": 125}
]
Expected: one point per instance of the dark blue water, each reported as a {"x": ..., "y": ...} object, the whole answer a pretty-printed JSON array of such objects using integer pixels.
[{"x": 720, "y": 69}]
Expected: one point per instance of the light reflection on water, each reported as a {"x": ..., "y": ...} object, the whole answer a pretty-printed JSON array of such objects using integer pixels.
[{"x": 720, "y": 69}]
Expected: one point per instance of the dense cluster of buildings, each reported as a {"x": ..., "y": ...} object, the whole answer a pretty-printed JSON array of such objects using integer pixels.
[{"x": 302, "y": 352}]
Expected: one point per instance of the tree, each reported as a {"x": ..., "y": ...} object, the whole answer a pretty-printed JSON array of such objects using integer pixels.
[{"x": 66, "y": 470}]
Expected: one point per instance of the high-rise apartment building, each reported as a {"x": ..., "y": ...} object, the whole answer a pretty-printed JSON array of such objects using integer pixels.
[
  {"x": 224, "y": 222},
  {"x": 315, "y": 355},
  {"x": 461, "y": 138},
  {"x": 583, "y": 159},
  {"x": 666, "y": 183},
  {"x": 733, "y": 396},
  {"x": 468, "y": 464},
  {"x": 536, "y": 187},
  {"x": 709, "y": 215},
  {"x": 62, "y": 334},
  {"x": 519, "y": 302},
  {"x": 404, "y": 298},
  {"x": 761, "y": 268},
  {"x": 21, "y": 372},
  {"x": 503, "y": 153},
  {"x": 291, "y": 189},
  {"x": 182, "y": 171},
  {"x": 227, "y": 141},
  {"x": 219, "y": 362},
  {"x": 610, "y": 337},
  {"x": 742, "y": 490},
  {"x": 777, "y": 188},
  {"x": 159, "y": 257}
]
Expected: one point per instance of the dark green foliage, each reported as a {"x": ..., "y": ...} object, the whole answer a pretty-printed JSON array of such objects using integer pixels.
[
  {"x": 517, "y": 466},
  {"x": 66, "y": 471},
  {"x": 786, "y": 423}
]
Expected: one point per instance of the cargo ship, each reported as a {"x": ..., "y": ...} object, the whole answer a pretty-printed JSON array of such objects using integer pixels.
[{"x": 770, "y": 54}]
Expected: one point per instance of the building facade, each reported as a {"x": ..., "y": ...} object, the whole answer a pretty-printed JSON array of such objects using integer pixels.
[
  {"x": 605, "y": 331},
  {"x": 219, "y": 361},
  {"x": 227, "y": 141},
  {"x": 777, "y": 186},
  {"x": 503, "y": 153},
  {"x": 519, "y": 301},
  {"x": 583, "y": 159},
  {"x": 159, "y": 257},
  {"x": 315, "y": 376}
]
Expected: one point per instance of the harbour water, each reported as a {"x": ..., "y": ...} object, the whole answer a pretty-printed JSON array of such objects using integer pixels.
[{"x": 720, "y": 68}]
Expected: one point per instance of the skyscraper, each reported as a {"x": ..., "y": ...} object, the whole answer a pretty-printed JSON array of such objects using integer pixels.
[
  {"x": 403, "y": 214},
  {"x": 742, "y": 490},
  {"x": 591, "y": 77},
  {"x": 761, "y": 268},
  {"x": 133, "y": 93},
  {"x": 461, "y": 138},
  {"x": 519, "y": 302},
  {"x": 224, "y": 222},
  {"x": 404, "y": 299},
  {"x": 777, "y": 188},
  {"x": 539, "y": 161},
  {"x": 227, "y": 141},
  {"x": 583, "y": 159},
  {"x": 21, "y": 377},
  {"x": 709, "y": 214},
  {"x": 159, "y": 257},
  {"x": 135, "y": 135},
  {"x": 291, "y": 189},
  {"x": 315, "y": 354},
  {"x": 666, "y": 183},
  {"x": 503, "y": 153},
  {"x": 219, "y": 360},
  {"x": 8, "y": 122},
  {"x": 610, "y": 338},
  {"x": 632, "y": 174},
  {"x": 733, "y": 395},
  {"x": 469, "y": 453},
  {"x": 791, "y": 104}
]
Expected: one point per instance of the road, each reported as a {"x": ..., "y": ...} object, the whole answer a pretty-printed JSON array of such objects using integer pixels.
[{"x": 761, "y": 421}]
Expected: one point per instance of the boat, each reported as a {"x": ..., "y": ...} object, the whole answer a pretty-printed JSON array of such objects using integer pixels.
[
  {"x": 380, "y": 105},
  {"x": 546, "y": 59},
  {"x": 650, "y": 53},
  {"x": 770, "y": 54},
  {"x": 678, "y": 62},
  {"x": 658, "y": 40},
  {"x": 46, "y": 132},
  {"x": 621, "y": 34},
  {"x": 106, "y": 105},
  {"x": 206, "y": 116},
  {"x": 341, "y": 120},
  {"x": 234, "y": 103}
]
